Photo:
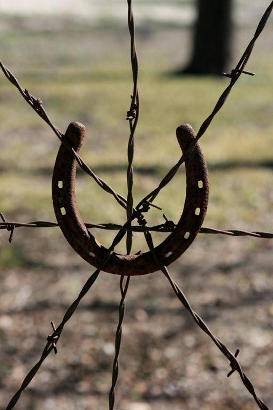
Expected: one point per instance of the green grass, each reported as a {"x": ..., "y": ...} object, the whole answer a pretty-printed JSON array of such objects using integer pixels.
[{"x": 85, "y": 76}]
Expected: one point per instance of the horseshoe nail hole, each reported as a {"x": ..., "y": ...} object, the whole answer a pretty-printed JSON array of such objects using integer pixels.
[
  {"x": 197, "y": 211},
  {"x": 60, "y": 184},
  {"x": 63, "y": 211},
  {"x": 168, "y": 254},
  {"x": 187, "y": 235},
  {"x": 200, "y": 184}
]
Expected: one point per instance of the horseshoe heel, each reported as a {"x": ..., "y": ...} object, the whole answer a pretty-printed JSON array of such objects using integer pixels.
[{"x": 86, "y": 245}]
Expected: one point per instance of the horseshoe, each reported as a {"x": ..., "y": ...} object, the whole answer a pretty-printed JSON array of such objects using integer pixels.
[{"x": 86, "y": 245}]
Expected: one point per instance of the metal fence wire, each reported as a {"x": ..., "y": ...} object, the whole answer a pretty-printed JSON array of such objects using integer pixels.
[{"x": 135, "y": 213}]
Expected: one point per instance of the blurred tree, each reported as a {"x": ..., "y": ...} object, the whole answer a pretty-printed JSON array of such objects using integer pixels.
[{"x": 212, "y": 37}]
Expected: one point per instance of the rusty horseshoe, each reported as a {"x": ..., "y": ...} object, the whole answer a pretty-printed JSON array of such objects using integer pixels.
[{"x": 86, "y": 245}]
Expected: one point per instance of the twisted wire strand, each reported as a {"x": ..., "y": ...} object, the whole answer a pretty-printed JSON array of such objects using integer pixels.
[
  {"x": 234, "y": 77},
  {"x": 132, "y": 117},
  {"x": 37, "y": 105},
  {"x": 118, "y": 338},
  {"x": 166, "y": 227},
  {"x": 235, "y": 365},
  {"x": 52, "y": 338},
  {"x": 237, "y": 233}
]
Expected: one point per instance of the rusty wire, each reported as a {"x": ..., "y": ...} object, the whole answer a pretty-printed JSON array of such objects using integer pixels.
[{"x": 136, "y": 213}]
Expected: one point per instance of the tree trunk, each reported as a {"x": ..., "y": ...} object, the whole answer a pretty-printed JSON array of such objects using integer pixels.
[{"x": 212, "y": 38}]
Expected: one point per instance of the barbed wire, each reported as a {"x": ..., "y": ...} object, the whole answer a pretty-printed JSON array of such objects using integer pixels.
[
  {"x": 53, "y": 339},
  {"x": 234, "y": 364},
  {"x": 168, "y": 226},
  {"x": 37, "y": 105},
  {"x": 132, "y": 117},
  {"x": 136, "y": 213},
  {"x": 115, "y": 370},
  {"x": 234, "y": 77},
  {"x": 236, "y": 232}
]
